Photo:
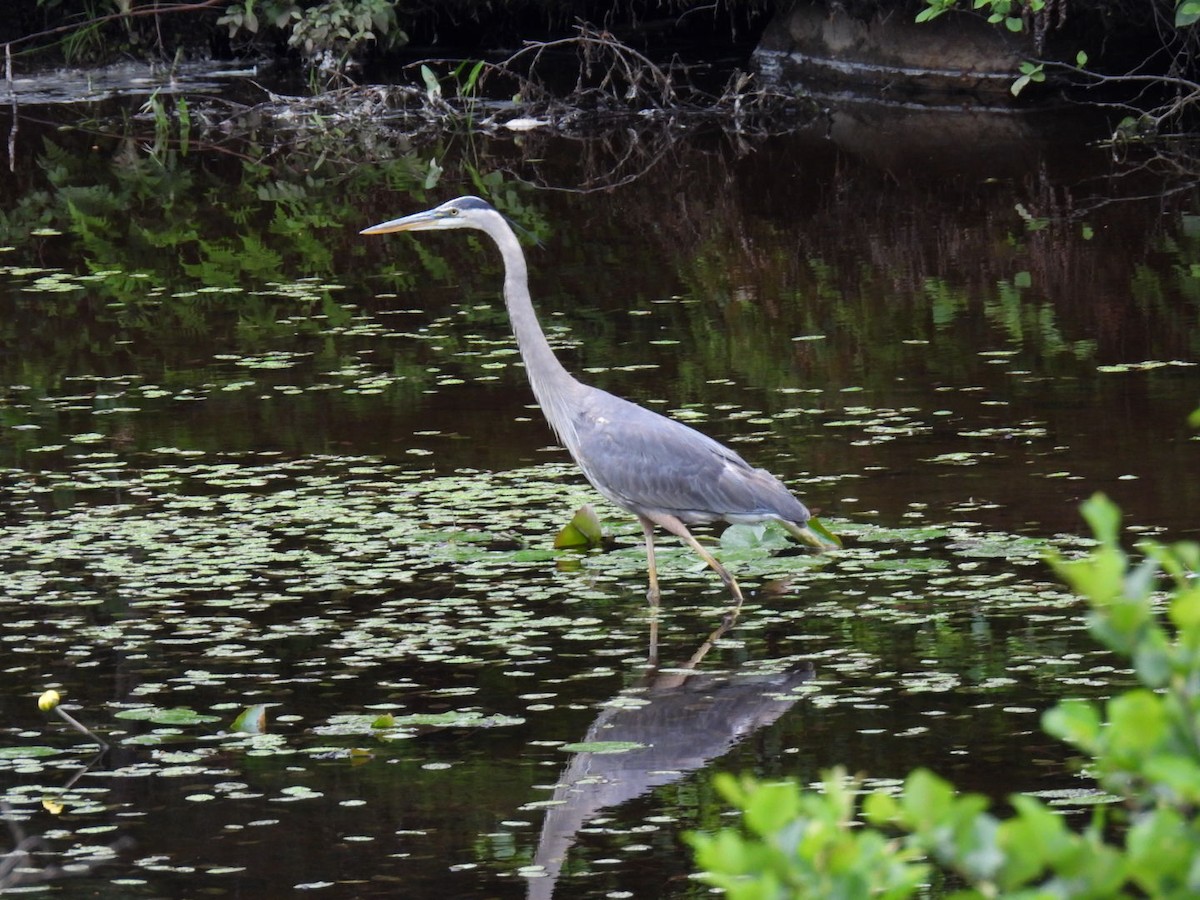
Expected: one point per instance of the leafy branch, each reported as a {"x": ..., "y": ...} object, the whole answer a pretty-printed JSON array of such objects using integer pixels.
[{"x": 1144, "y": 746}]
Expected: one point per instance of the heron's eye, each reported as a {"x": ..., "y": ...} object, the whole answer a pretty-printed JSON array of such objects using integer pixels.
[{"x": 452, "y": 211}]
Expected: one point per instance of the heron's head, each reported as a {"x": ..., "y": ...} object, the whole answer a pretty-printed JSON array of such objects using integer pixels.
[{"x": 465, "y": 212}]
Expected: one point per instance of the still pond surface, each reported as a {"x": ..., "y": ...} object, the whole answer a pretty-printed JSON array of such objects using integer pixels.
[{"x": 249, "y": 457}]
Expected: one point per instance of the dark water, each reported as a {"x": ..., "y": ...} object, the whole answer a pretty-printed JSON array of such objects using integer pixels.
[{"x": 250, "y": 457}]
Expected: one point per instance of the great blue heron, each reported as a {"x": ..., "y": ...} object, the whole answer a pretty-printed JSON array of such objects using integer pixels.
[{"x": 662, "y": 471}]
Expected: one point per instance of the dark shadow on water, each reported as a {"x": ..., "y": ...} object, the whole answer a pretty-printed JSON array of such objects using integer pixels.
[{"x": 677, "y": 720}]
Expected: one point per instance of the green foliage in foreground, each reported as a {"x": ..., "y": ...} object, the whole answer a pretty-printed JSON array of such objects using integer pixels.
[{"x": 1144, "y": 746}]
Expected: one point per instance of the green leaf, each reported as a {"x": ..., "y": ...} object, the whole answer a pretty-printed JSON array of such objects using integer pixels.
[
  {"x": 27, "y": 752},
  {"x": 433, "y": 174},
  {"x": 1161, "y": 853},
  {"x": 819, "y": 527},
  {"x": 1187, "y": 13},
  {"x": 1029, "y": 840},
  {"x": 1184, "y": 612},
  {"x": 747, "y": 538},
  {"x": 1081, "y": 59},
  {"x": 879, "y": 808},
  {"x": 1103, "y": 516},
  {"x": 602, "y": 747},
  {"x": 467, "y": 718},
  {"x": 469, "y": 85},
  {"x": 1152, "y": 658},
  {"x": 178, "y": 715},
  {"x": 433, "y": 88},
  {"x": 1137, "y": 725},
  {"x": 772, "y": 806},
  {"x": 927, "y": 799},
  {"x": 582, "y": 531},
  {"x": 251, "y": 720},
  {"x": 1075, "y": 721},
  {"x": 1179, "y": 773}
]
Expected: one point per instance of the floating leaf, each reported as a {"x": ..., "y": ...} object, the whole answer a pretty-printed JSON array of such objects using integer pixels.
[
  {"x": 819, "y": 527},
  {"x": 402, "y": 726},
  {"x": 252, "y": 720},
  {"x": 459, "y": 719},
  {"x": 760, "y": 537},
  {"x": 27, "y": 752},
  {"x": 583, "y": 531},
  {"x": 603, "y": 747},
  {"x": 178, "y": 715}
]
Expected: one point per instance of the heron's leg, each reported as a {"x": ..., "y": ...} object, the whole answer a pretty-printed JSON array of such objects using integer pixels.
[
  {"x": 677, "y": 528},
  {"x": 653, "y": 593}
]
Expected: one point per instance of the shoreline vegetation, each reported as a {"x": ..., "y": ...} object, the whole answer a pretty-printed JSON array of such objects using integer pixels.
[{"x": 577, "y": 67}]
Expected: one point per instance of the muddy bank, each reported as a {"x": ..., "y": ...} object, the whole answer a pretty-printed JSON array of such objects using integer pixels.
[{"x": 888, "y": 57}]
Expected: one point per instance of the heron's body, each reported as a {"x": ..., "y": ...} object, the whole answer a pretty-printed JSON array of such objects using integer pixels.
[
  {"x": 652, "y": 465},
  {"x": 662, "y": 471}
]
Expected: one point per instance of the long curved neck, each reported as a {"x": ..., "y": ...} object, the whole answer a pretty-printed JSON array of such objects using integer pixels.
[{"x": 552, "y": 384}]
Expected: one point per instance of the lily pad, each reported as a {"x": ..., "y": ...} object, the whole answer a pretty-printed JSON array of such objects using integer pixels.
[
  {"x": 392, "y": 726},
  {"x": 603, "y": 747},
  {"x": 178, "y": 715},
  {"x": 27, "y": 752}
]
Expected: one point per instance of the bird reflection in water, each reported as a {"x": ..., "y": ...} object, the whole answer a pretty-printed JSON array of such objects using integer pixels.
[{"x": 683, "y": 719}]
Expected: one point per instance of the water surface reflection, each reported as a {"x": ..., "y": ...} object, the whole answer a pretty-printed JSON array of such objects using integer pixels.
[{"x": 671, "y": 723}]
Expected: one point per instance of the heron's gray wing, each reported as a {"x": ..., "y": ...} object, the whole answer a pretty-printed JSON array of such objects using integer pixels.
[{"x": 645, "y": 462}]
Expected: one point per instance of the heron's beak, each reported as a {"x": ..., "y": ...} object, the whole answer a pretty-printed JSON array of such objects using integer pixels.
[{"x": 417, "y": 221}]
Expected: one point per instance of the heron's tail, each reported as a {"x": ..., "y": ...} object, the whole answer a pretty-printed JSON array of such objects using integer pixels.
[{"x": 814, "y": 534}]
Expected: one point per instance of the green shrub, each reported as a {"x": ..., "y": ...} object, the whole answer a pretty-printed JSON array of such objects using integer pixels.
[
  {"x": 1144, "y": 745},
  {"x": 328, "y": 32}
]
